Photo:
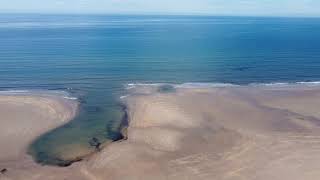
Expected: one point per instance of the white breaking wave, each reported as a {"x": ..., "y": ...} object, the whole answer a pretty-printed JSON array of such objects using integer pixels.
[
  {"x": 62, "y": 94},
  {"x": 213, "y": 85},
  {"x": 204, "y": 85},
  {"x": 14, "y": 91},
  {"x": 70, "y": 98},
  {"x": 312, "y": 83},
  {"x": 133, "y": 85},
  {"x": 123, "y": 97},
  {"x": 281, "y": 84}
]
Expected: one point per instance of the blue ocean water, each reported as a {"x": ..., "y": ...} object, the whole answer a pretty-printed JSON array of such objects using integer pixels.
[{"x": 94, "y": 57}]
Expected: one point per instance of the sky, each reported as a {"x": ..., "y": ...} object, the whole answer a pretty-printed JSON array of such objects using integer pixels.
[{"x": 184, "y": 7}]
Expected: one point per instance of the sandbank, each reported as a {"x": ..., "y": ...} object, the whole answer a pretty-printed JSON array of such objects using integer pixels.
[{"x": 225, "y": 133}]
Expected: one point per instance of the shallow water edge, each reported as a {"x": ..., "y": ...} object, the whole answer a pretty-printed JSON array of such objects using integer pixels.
[{"x": 45, "y": 158}]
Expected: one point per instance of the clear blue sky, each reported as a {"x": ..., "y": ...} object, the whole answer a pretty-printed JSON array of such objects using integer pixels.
[{"x": 214, "y": 7}]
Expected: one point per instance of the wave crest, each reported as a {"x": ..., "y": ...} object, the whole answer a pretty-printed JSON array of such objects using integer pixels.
[
  {"x": 216, "y": 85},
  {"x": 63, "y": 94}
]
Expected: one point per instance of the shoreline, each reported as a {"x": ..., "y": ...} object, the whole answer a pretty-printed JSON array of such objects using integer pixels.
[
  {"x": 66, "y": 163},
  {"x": 124, "y": 125}
]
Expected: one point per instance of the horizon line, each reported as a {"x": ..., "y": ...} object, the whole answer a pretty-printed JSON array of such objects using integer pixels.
[{"x": 157, "y": 14}]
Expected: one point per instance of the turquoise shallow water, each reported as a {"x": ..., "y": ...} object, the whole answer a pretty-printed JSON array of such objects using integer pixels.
[{"x": 94, "y": 57}]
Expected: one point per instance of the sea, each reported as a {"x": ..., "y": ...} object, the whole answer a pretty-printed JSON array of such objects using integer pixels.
[{"x": 95, "y": 59}]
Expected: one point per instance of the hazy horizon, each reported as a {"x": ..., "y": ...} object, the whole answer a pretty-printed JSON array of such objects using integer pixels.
[
  {"x": 153, "y": 14},
  {"x": 286, "y": 8}
]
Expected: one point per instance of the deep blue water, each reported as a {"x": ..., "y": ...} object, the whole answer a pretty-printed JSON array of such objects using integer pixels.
[{"x": 94, "y": 57}]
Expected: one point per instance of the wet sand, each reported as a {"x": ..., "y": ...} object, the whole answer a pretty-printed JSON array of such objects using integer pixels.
[{"x": 231, "y": 133}]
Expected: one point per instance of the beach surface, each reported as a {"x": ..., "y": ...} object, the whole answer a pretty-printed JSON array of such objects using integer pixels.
[{"x": 203, "y": 133}]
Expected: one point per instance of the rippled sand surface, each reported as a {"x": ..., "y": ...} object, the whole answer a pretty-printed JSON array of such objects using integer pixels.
[
  {"x": 219, "y": 133},
  {"x": 230, "y": 133}
]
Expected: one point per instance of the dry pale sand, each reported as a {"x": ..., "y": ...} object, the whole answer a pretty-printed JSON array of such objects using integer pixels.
[{"x": 234, "y": 133}]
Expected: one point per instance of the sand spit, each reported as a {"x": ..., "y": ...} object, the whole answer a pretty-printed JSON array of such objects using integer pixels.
[
  {"x": 231, "y": 133},
  {"x": 23, "y": 118}
]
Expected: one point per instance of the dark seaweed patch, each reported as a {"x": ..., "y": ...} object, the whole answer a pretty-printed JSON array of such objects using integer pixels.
[
  {"x": 243, "y": 68},
  {"x": 94, "y": 142},
  {"x": 93, "y": 109},
  {"x": 166, "y": 88},
  {"x": 3, "y": 171},
  {"x": 45, "y": 159}
]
